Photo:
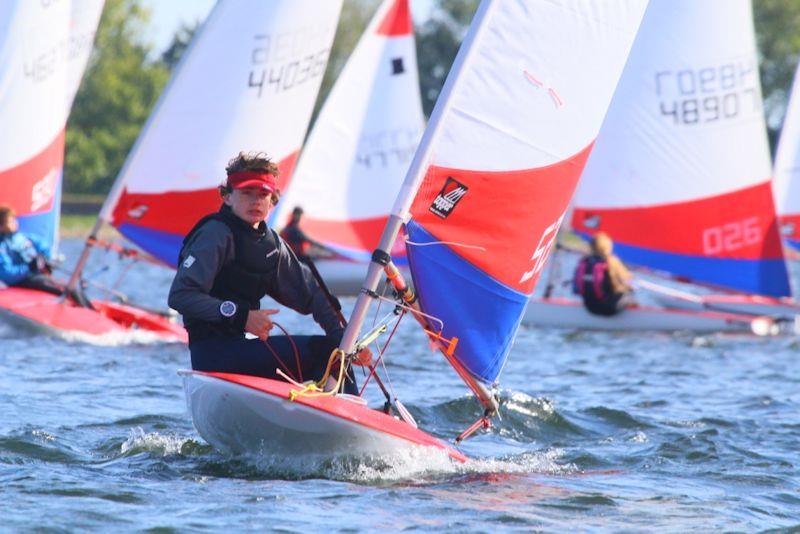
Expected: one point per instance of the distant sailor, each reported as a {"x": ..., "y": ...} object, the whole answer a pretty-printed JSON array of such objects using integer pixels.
[
  {"x": 302, "y": 245},
  {"x": 229, "y": 261},
  {"x": 602, "y": 279},
  {"x": 24, "y": 262}
]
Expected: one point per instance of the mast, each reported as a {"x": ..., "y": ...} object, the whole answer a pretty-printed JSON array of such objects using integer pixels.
[{"x": 414, "y": 177}]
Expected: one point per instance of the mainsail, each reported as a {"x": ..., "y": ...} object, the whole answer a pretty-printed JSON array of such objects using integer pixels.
[
  {"x": 497, "y": 166},
  {"x": 248, "y": 82},
  {"x": 363, "y": 140},
  {"x": 786, "y": 184},
  {"x": 44, "y": 48},
  {"x": 680, "y": 175}
]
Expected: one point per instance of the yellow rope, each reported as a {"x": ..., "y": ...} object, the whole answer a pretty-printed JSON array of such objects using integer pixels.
[{"x": 317, "y": 389}]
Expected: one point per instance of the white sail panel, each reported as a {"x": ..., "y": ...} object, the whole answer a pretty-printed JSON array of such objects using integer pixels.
[
  {"x": 500, "y": 159},
  {"x": 680, "y": 175},
  {"x": 786, "y": 184},
  {"x": 687, "y": 119},
  {"x": 248, "y": 82},
  {"x": 364, "y": 138},
  {"x": 44, "y": 48}
]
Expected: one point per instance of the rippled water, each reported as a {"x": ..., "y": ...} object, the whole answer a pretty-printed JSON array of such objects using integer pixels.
[{"x": 599, "y": 431}]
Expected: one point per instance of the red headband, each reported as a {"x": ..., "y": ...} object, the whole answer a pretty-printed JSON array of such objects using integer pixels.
[{"x": 242, "y": 179}]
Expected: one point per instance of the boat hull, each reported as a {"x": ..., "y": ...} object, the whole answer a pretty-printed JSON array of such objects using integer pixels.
[
  {"x": 243, "y": 414},
  {"x": 565, "y": 313},
  {"x": 48, "y": 313},
  {"x": 744, "y": 304}
]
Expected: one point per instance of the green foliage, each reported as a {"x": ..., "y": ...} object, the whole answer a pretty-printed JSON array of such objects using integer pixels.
[
  {"x": 777, "y": 23},
  {"x": 116, "y": 96},
  {"x": 437, "y": 44}
]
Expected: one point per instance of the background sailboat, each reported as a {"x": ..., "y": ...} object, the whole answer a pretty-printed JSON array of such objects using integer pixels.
[
  {"x": 360, "y": 147},
  {"x": 44, "y": 49},
  {"x": 483, "y": 199},
  {"x": 247, "y": 82},
  {"x": 661, "y": 178},
  {"x": 786, "y": 184},
  {"x": 680, "y": 177}
]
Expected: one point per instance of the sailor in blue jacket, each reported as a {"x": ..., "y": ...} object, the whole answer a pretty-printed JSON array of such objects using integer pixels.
[{"x": 23, "y": 260}]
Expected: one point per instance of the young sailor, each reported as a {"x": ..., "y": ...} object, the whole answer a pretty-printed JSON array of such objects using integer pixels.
[
  {"x": 602, "y": 280},
  {"x": 24, "y": 263},
  {"x": 228, "y": 262}
]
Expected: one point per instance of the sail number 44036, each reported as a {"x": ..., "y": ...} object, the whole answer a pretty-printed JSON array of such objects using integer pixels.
[{"x": 732, "y": 236}]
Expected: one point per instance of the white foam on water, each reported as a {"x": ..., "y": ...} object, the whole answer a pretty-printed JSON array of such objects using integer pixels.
[
  {"x": 165, "y": 445},
  {"x": 116, "y": 339}
]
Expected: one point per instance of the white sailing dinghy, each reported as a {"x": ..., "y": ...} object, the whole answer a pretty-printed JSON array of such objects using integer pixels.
[
  {"x": 482, "y": 202},
  {"x": 664, "y": 181},
  {"x": 786, "y": 182},
  {"x": 247, "y": 82},
  {"x": 45, "y": 47},
  {"x": 359, "y": 149}
]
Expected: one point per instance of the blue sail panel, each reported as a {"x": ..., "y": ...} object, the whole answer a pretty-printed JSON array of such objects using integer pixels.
[{"x": 483, "y": 313}]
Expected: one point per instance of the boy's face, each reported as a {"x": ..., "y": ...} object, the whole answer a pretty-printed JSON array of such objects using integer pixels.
[
  {"x": 9, "y": 226},
  {"x": 251, "y": 204}
]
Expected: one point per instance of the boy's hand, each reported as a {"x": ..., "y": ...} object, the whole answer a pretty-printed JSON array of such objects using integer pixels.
[{"x": 259, "y": 323}]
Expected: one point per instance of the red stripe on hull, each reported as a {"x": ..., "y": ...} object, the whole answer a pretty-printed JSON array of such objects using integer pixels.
[
  {"x": 738, "y": 225},
  {"x": 50, "y": 311},
  {"x": 506, "y": 213},
  {"x": 176, "y": 212},
  {"x": 397, "y": 21},
  {"x": 17, "y": 183}
]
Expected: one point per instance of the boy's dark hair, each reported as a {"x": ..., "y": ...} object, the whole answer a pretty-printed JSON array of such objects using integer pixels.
[{"x": 251, "y": 161}]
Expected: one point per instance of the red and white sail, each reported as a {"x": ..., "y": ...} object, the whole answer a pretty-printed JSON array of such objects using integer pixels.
[
  {"x": 499, "y": 161},
  {"x": 786, "y": 184},
  {"x": 248, "y": 82},
  {"x": 44, "y": 48},
  {"x": 680, "y": 175},
  {"x": 363, "y": 140}
]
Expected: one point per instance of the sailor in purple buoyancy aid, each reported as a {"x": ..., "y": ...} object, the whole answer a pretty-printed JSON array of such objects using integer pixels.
[{"x": 602, "y": 280}]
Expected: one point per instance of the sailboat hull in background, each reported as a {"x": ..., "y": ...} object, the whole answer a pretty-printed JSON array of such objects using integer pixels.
[
  {"x": 251, "y": 415},
  {"x": 108, "y": 323},
  {"x": 743, "y": 304},
  {"x": 565, "y": 313}
]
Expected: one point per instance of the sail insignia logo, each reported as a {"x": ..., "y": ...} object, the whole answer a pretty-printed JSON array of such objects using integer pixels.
[{"x": 451, "y": 194}]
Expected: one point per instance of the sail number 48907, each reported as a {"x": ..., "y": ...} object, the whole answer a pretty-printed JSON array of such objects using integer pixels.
[{"x": 732, "y": 236}]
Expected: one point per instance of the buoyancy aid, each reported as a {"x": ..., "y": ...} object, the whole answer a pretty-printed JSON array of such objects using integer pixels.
[
  {"x": 244, "y": 280},
  {"x": 593, "y": 283}
]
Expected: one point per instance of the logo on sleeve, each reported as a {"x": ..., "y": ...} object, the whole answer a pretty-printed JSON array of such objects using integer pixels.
[
  {"x": 188, "y": 262},
  {"x": 227, "y": 308},
  {"x": 451, "y": 194}
]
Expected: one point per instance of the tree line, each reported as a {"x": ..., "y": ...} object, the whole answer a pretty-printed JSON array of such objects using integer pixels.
[{"x": 124, "y": 77}]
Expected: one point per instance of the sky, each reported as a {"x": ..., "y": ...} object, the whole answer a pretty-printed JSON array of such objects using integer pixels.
[{"x": 167, "y": 16}]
